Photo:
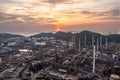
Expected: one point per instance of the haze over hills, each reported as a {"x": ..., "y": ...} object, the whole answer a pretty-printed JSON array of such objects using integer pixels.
[
  {"x": 68, "y": 35},
  {"x": 8, "y": 35}
]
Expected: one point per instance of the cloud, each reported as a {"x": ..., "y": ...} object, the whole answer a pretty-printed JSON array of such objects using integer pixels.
[
  {"x": 5, "y": 18},
  {"x": 111, "y": 14},
  {"x": 17, "y": 12},
  {"x": 110, "y": 18},
  {"x": 87, "y": 12},
  {"x": 115, "y": 12},
  {"x": 7, "y": 1},
  {"x": 101, "y": 27},
  {"x": 32, "y": 28},
  {"x": 56, "y": 1},
  {"x": 9, "y": 18}
]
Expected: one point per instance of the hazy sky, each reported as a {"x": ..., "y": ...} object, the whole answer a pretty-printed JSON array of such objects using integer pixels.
[{"x": 35, "y": 16}]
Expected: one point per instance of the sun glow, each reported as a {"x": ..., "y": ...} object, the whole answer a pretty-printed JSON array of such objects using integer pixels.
[{"x": 58, "y": 29}]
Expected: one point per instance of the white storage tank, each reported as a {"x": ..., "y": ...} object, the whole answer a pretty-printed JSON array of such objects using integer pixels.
[{"x": 114, "y": 77}]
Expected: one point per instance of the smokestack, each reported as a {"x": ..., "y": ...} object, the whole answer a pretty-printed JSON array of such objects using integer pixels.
[
  {"x": 69, "y": 44},
  {"x": 74, "y": 40},
  {"x": 94, "y": 53},
  {"x": 79, "y": 44},
  {"x": 92, "y": 40},
  {"x": 97, "y": 44},
  {"x": 100, "y": 40},
  {"x": 85, "y": 41},
  {"x": 106, "y": 44},
  {"x": 113, "y": 69}
]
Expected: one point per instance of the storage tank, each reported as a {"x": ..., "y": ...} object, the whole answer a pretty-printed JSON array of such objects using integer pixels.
[{"x": 114, "y": 77}]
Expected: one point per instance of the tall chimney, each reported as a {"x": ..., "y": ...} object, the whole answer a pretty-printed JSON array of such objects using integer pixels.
[
  {"x": 97, "y": 44},
  {"x": 79, "y": 45},
  {"x": 100, "y": 40},
  {"x": 92, "y": 40},
  {"x": 106, "y": 44},
  {"x": 85, "y": 41},
  {"x": 74, "y": 40},
  {"x": 94, "y": 53},
  {"x": 69, "y": 44}
]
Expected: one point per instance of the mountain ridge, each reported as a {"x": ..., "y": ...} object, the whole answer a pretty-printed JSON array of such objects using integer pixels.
[
  {"x": 9, "y": 35},
  {"x": 68, "y": 35}
]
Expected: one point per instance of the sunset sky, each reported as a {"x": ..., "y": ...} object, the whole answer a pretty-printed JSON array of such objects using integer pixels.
[{"x": 35, "y": 16}]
